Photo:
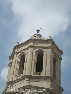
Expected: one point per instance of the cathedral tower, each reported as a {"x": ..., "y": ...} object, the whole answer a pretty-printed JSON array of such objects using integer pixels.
[{"x": 35, "y": 67}]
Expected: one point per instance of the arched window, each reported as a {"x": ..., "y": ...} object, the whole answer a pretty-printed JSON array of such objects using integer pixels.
[
  {"x": 54, "y": 67},
  {"x": 22, "y": 61},
  {"x": 39, "y": 64}
]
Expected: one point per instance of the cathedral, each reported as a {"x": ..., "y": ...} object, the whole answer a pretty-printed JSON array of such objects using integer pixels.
[{"x": 35, "y": 67}]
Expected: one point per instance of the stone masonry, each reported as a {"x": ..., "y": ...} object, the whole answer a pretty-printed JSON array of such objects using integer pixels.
[{"x": 35, "y": 67}]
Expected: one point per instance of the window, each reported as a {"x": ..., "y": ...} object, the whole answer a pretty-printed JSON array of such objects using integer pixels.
[
  {"x": 39, "y": 64},
  {"x": 54, "y": 67},
  {"x": 22, "y": 61}
]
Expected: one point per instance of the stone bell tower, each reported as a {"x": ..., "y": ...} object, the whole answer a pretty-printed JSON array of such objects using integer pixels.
[{"x": 35, "y": 67}]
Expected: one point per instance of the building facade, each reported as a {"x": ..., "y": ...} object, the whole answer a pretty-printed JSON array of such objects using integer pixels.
[{"x": 35, "y": 67}]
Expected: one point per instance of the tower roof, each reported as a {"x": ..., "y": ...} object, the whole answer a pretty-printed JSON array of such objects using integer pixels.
[{"x": 37, "y": 38}]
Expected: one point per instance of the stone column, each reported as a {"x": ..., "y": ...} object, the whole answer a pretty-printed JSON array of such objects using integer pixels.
[
  {"x": 60, "y": 71},
  {"x": 9, "y": 68},
  {"x": 33, "y": 63},
  {"x": 44, "y": 63},
  {"x": 49, "y": 63},
  {"x": 16, "y": 66},
  {"x": 29, "y": 62},
  {"x": 57, "y": 70},
  {"x": 24, "y": 71}
]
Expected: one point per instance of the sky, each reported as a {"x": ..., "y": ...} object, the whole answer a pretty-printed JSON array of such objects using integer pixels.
[{"x": 19, "y": 19}]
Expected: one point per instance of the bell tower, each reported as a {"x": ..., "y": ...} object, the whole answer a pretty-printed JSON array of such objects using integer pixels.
[{"x": 35, "y": 67}]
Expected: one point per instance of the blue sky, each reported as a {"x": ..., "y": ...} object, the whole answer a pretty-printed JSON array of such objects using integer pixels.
[{"x": 20, "y": 18}]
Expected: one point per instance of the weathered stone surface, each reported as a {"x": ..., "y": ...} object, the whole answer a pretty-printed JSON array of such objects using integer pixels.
[{"x": 23, "y": 77}]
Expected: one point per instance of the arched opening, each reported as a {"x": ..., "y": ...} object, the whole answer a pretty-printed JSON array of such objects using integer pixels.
[
  {"x": 22, "y": 61},
  {"x": 39, "y": 64},
  {"x": 54, "y": 67}
]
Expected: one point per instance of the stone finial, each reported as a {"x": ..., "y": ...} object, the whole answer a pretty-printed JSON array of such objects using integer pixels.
[
  {"x": 37, "y": 35},
  {"x": 17, "y": 43},
  {"x": 49, "y": 37},
  {"x": 37, "y": 31}
]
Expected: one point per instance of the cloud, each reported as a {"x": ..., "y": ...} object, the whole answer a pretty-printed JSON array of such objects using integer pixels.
[
  {"x": 51, "y": 16},
  {"x": 63, "y": 40},
  {"x": 4, "y": 73}
]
